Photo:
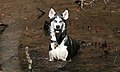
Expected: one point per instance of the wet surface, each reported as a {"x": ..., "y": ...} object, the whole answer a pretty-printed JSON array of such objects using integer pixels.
[{"x": 99, "y": 25}]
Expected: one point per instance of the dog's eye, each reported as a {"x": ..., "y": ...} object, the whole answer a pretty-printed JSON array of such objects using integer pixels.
[
  {"x": 55, "y": 21},
  {"x": 60, "y": 21}
]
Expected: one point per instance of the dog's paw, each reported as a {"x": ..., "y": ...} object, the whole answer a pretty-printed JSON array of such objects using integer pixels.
[
  {"x": 51, "y": 60},
  {"x": 63, "y": 59}
]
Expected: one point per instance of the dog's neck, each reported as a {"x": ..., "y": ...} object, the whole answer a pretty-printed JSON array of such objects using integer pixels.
[{"x": 60, "y": 36}]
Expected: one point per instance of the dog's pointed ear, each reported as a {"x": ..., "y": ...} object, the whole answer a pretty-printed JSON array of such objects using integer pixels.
[
  {"x": 52, "y": 13},
  {"x": 65, "y": 14}
]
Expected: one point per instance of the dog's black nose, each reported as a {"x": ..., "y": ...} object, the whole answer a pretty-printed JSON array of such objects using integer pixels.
[{"x": 57, "y": 26}]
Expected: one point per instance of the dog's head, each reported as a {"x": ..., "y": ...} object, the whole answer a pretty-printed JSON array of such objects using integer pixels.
[{"x": 58, "y": 21}]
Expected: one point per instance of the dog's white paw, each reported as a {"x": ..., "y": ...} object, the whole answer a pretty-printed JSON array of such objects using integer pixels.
[
  {"x": 51, "y": 60},
  {"x": 64, "y": 59}
]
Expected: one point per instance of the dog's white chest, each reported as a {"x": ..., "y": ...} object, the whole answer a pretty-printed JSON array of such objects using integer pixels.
[{"x": 60, "y": 53}]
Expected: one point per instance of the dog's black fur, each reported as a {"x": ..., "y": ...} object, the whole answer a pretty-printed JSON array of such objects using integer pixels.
[
  {"x": 73, "y": 47},
  {"x": 47, "y": 28}
]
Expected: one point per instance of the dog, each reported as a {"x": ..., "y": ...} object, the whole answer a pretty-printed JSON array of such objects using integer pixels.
[{"x": 62, "y": 47}]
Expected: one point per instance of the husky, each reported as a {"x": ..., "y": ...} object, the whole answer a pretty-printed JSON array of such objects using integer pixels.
[{"x": 62, "y": 47}]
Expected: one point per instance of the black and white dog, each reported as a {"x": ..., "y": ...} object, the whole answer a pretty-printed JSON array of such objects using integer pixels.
[{"x": 62, "y": 47}]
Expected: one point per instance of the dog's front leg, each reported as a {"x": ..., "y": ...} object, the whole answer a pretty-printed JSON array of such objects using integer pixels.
[
  {"x": 52, "y": 45},
  {"x": 51, "y": 58},
  {"x": 53, "y": 38},
  {"x": 53, "y": 42}
]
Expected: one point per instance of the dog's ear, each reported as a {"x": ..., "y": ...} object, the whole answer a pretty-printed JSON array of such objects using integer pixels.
[
  {"x": 52, "y": 13},
  {"x": 65, "y": 14}
]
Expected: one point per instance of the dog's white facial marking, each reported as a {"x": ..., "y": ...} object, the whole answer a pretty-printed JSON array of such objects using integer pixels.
[
  {"x": 57, "y": 31},
  {"x": 58, "y": 21},
  {"x": 57, "y": 24}
]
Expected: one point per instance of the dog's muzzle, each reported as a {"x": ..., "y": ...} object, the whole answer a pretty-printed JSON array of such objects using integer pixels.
[{"x": 57, "y": 30}]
